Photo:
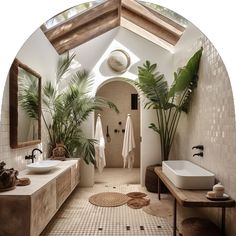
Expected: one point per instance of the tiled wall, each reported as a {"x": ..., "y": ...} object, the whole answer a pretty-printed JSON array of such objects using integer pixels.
[
  {"x": 12, "y": 157},
  {"x": 211, "y": 122},
  {"x": 39, "y": 55}
]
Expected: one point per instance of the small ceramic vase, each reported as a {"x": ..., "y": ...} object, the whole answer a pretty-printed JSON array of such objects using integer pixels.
[{"x": 219, "y": 190}]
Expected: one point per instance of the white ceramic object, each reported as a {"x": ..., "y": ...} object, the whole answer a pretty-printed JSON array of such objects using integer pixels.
[
  {"x": 187, "y": 175},
  {"x": 43, "y": 166},
  {"x": 119, "y": 60},
  {"x": 218, "y": 189}
]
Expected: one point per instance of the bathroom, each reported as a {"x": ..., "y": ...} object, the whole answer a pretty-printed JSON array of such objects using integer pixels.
[{"x": 211, "y": 121}]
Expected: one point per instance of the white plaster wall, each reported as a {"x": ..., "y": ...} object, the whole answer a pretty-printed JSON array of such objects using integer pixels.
[
  {"x": 139, "y": 50},
  {"x": 39, "y": 55},
  {"x": 211, "y": 121}
]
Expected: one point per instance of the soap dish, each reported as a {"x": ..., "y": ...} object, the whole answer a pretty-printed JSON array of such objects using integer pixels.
[{"x": 224, "y": 197}]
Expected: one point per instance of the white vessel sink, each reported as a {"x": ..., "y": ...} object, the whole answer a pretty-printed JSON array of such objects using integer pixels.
[
  {"x": 187, "y": 175},
  {"x": 43, "y": 166}
]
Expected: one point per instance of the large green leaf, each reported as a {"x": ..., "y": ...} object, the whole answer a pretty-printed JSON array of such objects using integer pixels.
[
  {"x": 67, "y": 109},
  {"x": 152, "y": 84},
  {"x": 186, "y": 75}
]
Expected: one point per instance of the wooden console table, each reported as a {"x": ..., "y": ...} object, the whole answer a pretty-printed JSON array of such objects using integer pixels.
[{"x": 191, "y": 198}]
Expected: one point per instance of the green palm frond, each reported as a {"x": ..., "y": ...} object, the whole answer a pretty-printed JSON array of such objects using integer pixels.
[
  {"x": 168, "y": 103},
  {"x": 152, "y": 84},
  {"x": 69, "y": 108},
  {"x": 186, "y": 79},
  {"x": 27, "y": 94},
  {"x": 64, "y": 64}
]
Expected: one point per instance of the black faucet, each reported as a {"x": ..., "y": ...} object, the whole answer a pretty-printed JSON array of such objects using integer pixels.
[
  {"x": 200, "y": 147},
  {"x": 198, "y": 154},
  {"x": 32, "y": 156}
]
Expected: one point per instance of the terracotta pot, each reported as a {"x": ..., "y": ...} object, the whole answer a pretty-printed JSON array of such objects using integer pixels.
[{"x": 151, "y": 180}]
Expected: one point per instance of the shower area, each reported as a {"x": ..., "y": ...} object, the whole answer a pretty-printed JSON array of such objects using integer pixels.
[{"x": 125, "y": 97}]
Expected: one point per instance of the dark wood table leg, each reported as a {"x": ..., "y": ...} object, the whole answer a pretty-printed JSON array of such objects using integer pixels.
[
  {"x": 223, "y": 222},
  {"x": 159, "y": 189},
  {"x": 175, "y": 218}
]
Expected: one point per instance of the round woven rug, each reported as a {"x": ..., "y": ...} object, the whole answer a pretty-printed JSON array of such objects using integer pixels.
[
  {"x": 136, "y": 194},
  {"x": 160, "y": 209},
  {"x": 109, "y": 199},
  {"x": 137, "y": 203}
]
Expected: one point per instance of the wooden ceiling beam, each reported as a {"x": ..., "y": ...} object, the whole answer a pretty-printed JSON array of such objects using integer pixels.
[
  {"x": 109, "y": 15},
  {"x": 87, "y": 32},
  {"x": 166, "y": 19},
  {"x": 146, "y": 35},
  {"x": 145, "y": 14},
  {"x": 150, "y": 26},
  {"x": 78, "y": 21}
]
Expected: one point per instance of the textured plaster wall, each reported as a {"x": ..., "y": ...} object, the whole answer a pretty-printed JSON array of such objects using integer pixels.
[
  {"x": 120, "y": 93},
  {"x": 211, "y": 122},
  {"x": 39, "y": 55},
  {"x": 139, "y": 50}
]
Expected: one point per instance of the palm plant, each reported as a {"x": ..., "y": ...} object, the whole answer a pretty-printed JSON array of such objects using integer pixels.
[
  {"x": 28, "y": 95},
  {"x": 168, "y": 103},
  {"x": 64, "y": 111}
]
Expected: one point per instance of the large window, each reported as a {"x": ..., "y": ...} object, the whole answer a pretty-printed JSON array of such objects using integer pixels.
[
  {"x": 166, "y": 12},
  {"x": 70, "y": 13}
]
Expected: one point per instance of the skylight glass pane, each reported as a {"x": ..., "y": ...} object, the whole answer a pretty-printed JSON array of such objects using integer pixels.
[
  {"x": 70, "y": 13},
  {"x": 167, "y": 12}
]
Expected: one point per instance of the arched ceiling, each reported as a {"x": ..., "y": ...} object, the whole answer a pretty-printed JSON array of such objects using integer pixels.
[{"x": 130, "y": 14}]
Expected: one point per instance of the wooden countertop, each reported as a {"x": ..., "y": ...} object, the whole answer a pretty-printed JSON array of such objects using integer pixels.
[
  {"x": 191, "y": 198},
  {"x": 38, "y": 180}
]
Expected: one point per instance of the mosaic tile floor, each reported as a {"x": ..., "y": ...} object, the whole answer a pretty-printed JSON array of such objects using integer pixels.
[{"x": 79, "y": 217}]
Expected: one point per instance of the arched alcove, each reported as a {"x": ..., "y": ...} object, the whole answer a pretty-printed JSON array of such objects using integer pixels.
[{"x": 125, "y": 97}]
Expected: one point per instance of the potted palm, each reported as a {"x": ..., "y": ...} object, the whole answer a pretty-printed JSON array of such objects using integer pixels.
[
  {"x": 168, "y": 103},
  {"x": 65, "y": 108}
]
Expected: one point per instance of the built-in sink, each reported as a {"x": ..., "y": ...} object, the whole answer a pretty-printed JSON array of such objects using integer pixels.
[
  {"x": 187, "y": 175},
  {"x": 43, "y": 166}
]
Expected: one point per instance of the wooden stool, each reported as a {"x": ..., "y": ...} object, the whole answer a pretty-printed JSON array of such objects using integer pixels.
[{"x": 199, "y": 227}]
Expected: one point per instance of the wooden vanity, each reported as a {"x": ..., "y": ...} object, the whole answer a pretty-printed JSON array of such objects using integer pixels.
[
  {"x": 26, "y": 210},
  {"x": 191, "y": 198}
]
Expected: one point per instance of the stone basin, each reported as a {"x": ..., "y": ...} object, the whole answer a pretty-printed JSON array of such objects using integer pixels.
[{"x": 187, "y": 175}]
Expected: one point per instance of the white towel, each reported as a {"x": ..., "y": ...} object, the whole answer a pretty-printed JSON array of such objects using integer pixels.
[
  {"x": 99, "y": 146},
  {"x": 128, "y": 144}
]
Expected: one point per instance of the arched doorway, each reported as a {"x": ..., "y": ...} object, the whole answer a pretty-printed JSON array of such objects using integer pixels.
[{"x": 125, "y": 96}]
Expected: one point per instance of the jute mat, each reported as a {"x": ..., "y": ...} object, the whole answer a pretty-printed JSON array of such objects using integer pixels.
[
  {"x": 137, "y": 203},
  {"x": 161, "y": 209},
  {"x": 136, "y": 194},
  {"x": 109, "y": 199}
]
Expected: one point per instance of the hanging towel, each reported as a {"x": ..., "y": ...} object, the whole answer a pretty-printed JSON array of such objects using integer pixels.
[
  {"x": 99, "y": 146},
  {"x": 128, "y": 144}
]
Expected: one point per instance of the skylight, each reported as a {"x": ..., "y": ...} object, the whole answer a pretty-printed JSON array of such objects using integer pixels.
[
  {"x": 166, "y": 12},
  {"x": 70, "y": 13}
]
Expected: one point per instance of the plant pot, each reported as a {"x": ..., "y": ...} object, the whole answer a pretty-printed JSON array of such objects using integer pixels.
[
  {"x": 151, "y": 180},
  {"x": 86, "y": 174}
]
